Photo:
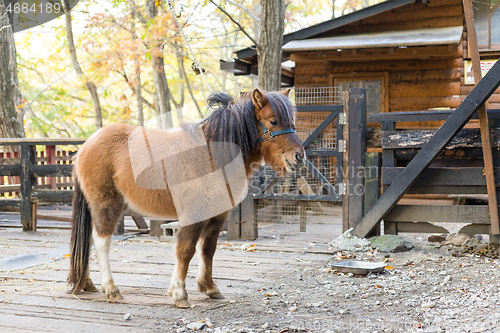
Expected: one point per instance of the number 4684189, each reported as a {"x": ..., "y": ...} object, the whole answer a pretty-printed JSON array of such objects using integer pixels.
[{"x": 25, "y": 8}]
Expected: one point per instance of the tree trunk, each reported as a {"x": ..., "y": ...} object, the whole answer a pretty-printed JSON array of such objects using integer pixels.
[
  {"x": 270, "y": 43},
  {"x": 161, "y": 84},
  {"x": 137, "y": 65},
  {"x": 138, "y": 93},
  {"x": 72, "y": 52},
  {"x": 180, "y": 70},
  {"x": 11, "y": 125}
]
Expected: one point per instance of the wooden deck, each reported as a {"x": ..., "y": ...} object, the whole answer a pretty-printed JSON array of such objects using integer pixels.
[{"x": 35, "y": 299}]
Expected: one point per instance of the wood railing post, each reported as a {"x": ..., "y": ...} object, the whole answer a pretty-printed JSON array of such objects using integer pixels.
[
  {"x": 372, "y": 184},
  {"x": 345, "y": 162},
  {"x": 28, "y": 154},
  {"x": 388, "y": 161},
  {"x": 50, "y": 152},
  {"x": 357, "y": 149}
]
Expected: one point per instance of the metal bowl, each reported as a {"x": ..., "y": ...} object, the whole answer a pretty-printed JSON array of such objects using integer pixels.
[{"x": 359, "y": 267}]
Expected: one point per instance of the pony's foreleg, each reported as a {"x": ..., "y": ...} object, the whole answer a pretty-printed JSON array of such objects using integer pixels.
[
  {"x": 102, "y": 246},
  {"x": 187, "y": 237},
  {"x": 210, "y": 234}
]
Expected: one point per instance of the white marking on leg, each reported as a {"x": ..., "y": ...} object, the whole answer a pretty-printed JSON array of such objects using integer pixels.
[
  {"x": 102, "y": 246},
  {"x": 201, "y": 274},
  {"x": 177, "y": 289}
]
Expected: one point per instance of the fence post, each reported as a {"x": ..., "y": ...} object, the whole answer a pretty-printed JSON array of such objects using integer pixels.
[
  {"x": 357, "y": 149},
  {"x": 345, "y": 162},
  {"x": 389, "y": 161},
  {"x": 50, "y": 152},
  {"x": 372, "y": 184},
  {"x": 28, "y": 154}
]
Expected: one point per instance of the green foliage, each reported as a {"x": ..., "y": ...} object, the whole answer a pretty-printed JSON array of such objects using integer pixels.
[{"x": 116, "y": 38}]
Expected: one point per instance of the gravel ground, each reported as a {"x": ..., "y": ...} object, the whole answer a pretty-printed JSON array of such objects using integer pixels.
[{"x": 428, "y": 290}]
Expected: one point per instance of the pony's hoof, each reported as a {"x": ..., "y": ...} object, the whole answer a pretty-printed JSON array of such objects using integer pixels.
[
  {"x": 182, "y": 303},
  {"x": 217, "y": 295},
  {"x": 89, "y": 286},
  {"x": 114, "y": 294}
]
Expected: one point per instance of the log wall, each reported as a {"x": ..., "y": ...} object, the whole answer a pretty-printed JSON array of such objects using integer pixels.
[{"x": 419, "y": 78}]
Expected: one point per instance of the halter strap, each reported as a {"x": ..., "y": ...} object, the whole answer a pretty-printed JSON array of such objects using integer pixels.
[{"x": 272, "y": 134}]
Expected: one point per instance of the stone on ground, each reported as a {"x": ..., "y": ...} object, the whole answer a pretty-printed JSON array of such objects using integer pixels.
[
  {"x": 391, "y": 243},
  {"x": 350, "y": 242},
  {"x": 437, "y": 238},
  {"x": 464, "y": 240}
]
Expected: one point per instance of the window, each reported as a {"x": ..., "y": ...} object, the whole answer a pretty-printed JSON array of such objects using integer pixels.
[
  {"x": 487, "y": 23},
  {"x": 375, "y": 85}
]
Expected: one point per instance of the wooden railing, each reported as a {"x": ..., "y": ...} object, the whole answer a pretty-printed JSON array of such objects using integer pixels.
[{"x": 35, "y": 175}]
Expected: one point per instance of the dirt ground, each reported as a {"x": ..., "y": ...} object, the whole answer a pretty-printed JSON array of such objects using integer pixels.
[{"x": 282, "y": 284}]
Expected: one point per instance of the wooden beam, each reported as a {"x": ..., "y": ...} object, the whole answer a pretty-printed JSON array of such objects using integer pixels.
[
  {"x": 419, "y": 116},
  {"x": 457, "y": 176},
  {"x": 455, "y": 122},
  {"x": 52, "y": 196},
  {"x": 466, "y": 138},
  {"x": 483, "y": 119},
  {"x": 419, "y": 227},
  {"x": 430, "y": 213},
  {"x": 424, "y": 52}
]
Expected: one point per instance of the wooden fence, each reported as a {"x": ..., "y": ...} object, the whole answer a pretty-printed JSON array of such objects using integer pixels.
[
  {"x": 35, "y": 176},
  {"x": 10, "y": 186},
  {"x": 457, "y": 170}
]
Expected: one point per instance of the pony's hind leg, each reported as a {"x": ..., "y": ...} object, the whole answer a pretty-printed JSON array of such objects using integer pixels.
[
  {"x": 209, "y": 235},
  {"x": 105, "y": 219},
  {"x": 102, "y": 246},
  {"x": 187, "y": 237}
]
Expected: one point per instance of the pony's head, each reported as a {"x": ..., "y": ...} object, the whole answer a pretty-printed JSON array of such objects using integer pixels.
[
  {"x": 279, "y": 145},
  {"x": 260, "y": 124}
]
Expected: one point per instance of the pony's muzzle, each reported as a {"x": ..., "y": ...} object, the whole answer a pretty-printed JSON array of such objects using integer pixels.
[{"x": 299, "y": 158}]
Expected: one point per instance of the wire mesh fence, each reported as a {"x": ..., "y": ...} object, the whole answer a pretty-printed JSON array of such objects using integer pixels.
[
  {"x": 317, "y": 96},
  {"x": 316, "y": 217}
]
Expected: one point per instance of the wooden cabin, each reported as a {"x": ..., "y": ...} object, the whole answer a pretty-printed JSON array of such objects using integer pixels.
[{"x": 409, "y": 55}]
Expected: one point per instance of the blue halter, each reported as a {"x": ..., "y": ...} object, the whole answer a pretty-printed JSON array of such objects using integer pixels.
[{"x": 272, "y": 134}]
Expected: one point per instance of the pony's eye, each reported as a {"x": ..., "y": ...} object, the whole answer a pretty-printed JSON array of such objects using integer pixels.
[{"x": 274, "y": 122}]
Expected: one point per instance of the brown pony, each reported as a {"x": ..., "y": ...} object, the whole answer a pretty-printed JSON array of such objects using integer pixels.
[{"x": 111, "y": 173}]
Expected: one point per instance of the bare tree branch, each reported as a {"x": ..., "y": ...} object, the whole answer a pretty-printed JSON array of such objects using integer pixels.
[
  {"x": 245, "y": 9},
  {"x": 237, "y": 23}
]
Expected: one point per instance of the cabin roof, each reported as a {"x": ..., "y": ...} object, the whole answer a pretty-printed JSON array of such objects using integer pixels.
[
  {"x": 415, "y": 37},
  {"x": 331, "y": 24}
]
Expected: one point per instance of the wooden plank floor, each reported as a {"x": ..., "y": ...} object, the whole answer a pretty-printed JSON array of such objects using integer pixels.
[{"x": 36, "y": 298}]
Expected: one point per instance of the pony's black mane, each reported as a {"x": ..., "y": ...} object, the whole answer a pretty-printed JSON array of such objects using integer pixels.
[{"x": 235, "y": 122}]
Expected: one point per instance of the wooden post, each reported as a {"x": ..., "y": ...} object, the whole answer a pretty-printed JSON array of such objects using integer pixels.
[
  {"x": 120, "y": 227},
  {"x": 372, "y": 184},
  {"x": 233, "y": 224},
  {"x": 33, "y": 215},
  {"x": 483, "y": 120},
  {"x": 345, "y": 162},
  {"x": 388, "y": 161},
  {"x": 248, "y": 225},
  {"x": 303, "y": 215},
  {"x": 357, "y": 149},
  {"x": 50, "y": 152},
  {"x": 28, "y": 154}
]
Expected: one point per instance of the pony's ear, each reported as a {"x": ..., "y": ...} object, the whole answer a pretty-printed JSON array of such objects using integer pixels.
[
  {"x": 286, "y": 92},
  {"x": 259, "y": 99}
]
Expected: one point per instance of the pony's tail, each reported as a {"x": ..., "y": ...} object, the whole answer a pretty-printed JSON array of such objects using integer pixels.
[{"x": 81, "y": 232}]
